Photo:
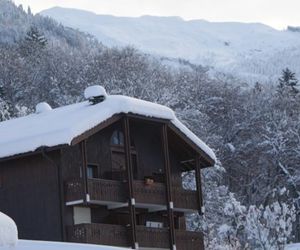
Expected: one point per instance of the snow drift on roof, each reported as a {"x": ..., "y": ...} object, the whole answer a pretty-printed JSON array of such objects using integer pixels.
[{"x": 61, "y": 125}]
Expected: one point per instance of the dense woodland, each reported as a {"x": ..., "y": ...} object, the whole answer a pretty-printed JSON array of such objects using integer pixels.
[{"x": 251, "y": 195}]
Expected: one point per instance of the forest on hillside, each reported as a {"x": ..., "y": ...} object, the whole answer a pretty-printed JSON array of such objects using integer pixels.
[{"x": 251, "y": 195}]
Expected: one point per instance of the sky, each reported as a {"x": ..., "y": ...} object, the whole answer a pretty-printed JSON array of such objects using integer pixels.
[{"x": 276, "y": 13}]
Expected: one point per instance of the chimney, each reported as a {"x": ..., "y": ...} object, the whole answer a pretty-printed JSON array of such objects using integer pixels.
[
  {"x": 42, "y": 107},
  {"x": 95, "y": 94}
]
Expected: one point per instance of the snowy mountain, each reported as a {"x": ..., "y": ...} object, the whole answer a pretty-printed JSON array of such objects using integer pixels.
[{"x": 250, "y": 50}]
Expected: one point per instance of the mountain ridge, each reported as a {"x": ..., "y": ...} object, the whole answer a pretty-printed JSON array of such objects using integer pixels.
[{"x": 250, "y": 51}]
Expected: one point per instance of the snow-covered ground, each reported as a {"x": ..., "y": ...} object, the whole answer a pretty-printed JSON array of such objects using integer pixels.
[
  {"x": 252, "y": 51},
  {"x": 46, "y": 245},
  {"x": 8, "y": 231},
  {"x": 9, "y": 240},
  {"x": 293, "y": 247}
]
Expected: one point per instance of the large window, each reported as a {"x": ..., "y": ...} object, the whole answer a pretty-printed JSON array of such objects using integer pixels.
[{"x": 117, "y": 138}]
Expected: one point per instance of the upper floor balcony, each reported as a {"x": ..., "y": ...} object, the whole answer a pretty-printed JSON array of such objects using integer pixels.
[{"x": 113, "y": 194}]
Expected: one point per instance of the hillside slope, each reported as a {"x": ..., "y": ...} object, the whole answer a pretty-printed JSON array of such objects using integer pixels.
[
  {"x": 15, "y": 22},
  {"x": 252, "y": 51}
]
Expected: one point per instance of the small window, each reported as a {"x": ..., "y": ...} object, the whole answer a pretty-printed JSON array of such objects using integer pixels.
[
  {"x": 154, "y": 224},
  {"x": 92, "y": 171},
  {"x": 117, "y": 138}
]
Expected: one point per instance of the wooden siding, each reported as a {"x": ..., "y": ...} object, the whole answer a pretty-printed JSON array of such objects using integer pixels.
[{"x": 30, "y": 195}]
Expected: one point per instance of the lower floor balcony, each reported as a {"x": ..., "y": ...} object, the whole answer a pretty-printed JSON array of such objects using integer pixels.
[
  {"x": 113, "y": 194},
  {"x": 118, "y": 235}
]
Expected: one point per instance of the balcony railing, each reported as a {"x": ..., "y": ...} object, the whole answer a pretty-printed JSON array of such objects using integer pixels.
[
  {"x": 74, "y": 190},
  {"x": 186, "y": 240},
  {"x": 117, "y": 235},
  {"x": 152, "y": 237},
  {"x": 107, "y": 190},
  {"x": 115, "y": 191},
  {"x": 150, "y": 194},
  {"x": 186, "y": 199},
  {"x": 103, "y": 234}
]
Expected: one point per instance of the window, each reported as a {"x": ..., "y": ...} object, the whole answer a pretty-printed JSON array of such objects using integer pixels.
[
  {"x": 82, "y": 215},
  {"x": 92, "y": 171},
  {"x": 117, "y": 138},
  {"x": 154, "y": 224}
]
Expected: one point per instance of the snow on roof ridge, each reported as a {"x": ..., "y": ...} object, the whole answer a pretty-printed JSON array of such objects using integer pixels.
[{"x": 28, "y": 133}]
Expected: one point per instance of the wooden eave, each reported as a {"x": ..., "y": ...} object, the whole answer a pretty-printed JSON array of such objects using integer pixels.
[
  {"x": 206, "y": 160},
  {"x": 35, "y": 152}
]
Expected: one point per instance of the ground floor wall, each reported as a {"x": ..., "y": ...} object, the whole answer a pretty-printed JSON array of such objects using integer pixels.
[{"x": 29, "y": 194}]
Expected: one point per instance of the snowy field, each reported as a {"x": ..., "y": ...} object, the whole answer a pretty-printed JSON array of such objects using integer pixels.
[{"x": 45, "y": 245}]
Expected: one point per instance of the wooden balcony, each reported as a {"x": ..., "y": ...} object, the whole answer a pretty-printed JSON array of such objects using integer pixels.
[
  {"x": 186, "y": 240},
  {"x": 109, "y": 191},
  {"x": 103, "y": 234},
  {"x": 117, "y": 235},
  {"x": 152, "y": 237}
]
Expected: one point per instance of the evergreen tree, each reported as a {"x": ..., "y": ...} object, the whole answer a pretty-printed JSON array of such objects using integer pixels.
[
  {"x": 4, "y": 107},
  {"x": 34, "y": 42},
  {"x": 29, "y": 12},
  {"x": 34, "y": 35},
  {"x": 288, "y": 81}
]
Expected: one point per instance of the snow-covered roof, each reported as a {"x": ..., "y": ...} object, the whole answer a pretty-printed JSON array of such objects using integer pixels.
[{"x": 61, "y": 125}]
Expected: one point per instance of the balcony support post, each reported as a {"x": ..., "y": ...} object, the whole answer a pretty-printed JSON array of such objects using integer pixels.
[
  {"x": 198, "y": 184},
  {"x": 84, "y": 170},
  {"x": 168, "y": 179},
  {"x": 131, "y": 199}
]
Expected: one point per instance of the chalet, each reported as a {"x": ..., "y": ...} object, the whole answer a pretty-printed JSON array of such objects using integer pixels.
[{"x": 104, "y": 171}]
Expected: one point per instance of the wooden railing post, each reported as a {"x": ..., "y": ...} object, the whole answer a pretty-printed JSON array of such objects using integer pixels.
[
  {"x": 198, "y": 184},
  {"x": 170, "y": 202},
  {"x": 131, "y": 199},
  {"x": 84, "y": 170}
]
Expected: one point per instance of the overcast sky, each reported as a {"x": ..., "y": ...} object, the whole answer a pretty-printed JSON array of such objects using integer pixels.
[{"x": 276, "y": 13}]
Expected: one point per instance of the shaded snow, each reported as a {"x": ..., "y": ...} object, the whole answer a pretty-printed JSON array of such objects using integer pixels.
[
  {"x": 45, "y": 245},
  {"x": 61, "y": 125},
  {"x": 295, "y": 246},
  {"x": 8, "y": 231}
]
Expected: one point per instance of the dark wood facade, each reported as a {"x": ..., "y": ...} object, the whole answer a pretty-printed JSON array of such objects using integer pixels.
[{"x": 117, "y": 184}]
